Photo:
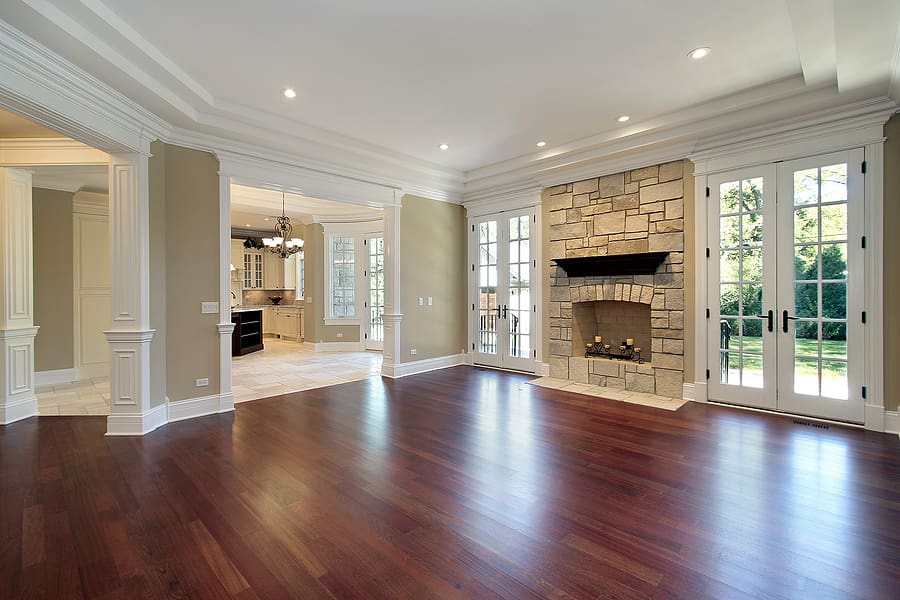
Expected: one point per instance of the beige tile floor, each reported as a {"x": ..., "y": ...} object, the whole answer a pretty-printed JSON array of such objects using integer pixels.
[
  {"x": 284, "y": 367},
  {"x": 88, "y": 397},
  {"x": 610, "y": 393}
]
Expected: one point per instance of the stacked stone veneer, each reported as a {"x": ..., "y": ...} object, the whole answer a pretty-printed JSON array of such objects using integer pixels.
[{"x": 626, "y": 213}]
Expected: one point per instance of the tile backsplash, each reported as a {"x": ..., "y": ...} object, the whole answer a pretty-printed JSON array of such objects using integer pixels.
[{"x": 261, "y": 297}]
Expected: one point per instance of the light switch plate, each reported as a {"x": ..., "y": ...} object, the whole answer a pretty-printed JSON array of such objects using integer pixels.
[
  {"x": 430, "y": 300},
  {"x": 209, "y": 308},
  {"x": 421, "y": 302},
  {"x": 202, "y": 382}
]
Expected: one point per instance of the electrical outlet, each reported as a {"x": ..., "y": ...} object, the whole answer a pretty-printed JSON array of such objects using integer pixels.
[
  {"x": 340, "y": 335},
  {"x": 412, "y": 351},
  {"x": 202, "y": 382},
  {"x": 209, "y": 308},
  {"x": 421, "y": 301}
]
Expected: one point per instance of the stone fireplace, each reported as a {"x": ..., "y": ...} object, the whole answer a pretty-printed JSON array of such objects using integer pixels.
[{"x": 621, "y": 217}]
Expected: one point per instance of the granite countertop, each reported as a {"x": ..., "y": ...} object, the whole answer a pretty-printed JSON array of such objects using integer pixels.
[{"x": 250, "y": 307}]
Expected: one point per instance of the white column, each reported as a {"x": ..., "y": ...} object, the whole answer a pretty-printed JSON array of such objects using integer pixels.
[
  {"x": 130, "y": 335},
  {"x": 392, "y": 315},
  {"x": 225, "y": 326},
  {"x": 17, "y": 330}
]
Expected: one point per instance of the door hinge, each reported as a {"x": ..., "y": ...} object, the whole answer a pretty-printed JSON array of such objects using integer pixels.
[
  {"x": 707, "y": 253},
  {"x": 473, "y": 267},
  {"x": 707, "y": 313},
  {"x": 535, "y": 353},
  {"x": 473, "y": 306},
  {"x": 534, "y": 218},
  {"x": 707, "y": 373},
  {"x": 535, "y": 263},
  {"x": 864, "y": 392},
  {"x": 864, "y": 316},
  {"x": 863, "y": 241},
  {"x": 534, "y": 308},
  {"x": 707, "y": 192},
  {"x": 365, "y": 242},
  {"x": 473, "y": 346},
  {"x": 473, "y": 229},
  {"x": 863, "y": 166},
  {"x": 365, "y": 336}
]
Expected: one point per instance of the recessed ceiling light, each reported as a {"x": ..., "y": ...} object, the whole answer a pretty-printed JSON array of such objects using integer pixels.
[
  {"x": 247, "y": 225},
  {"x": 541, "y": 144},
  {"x": 266, "y": 219},
  {"x": 443, "y": 146},
  {"x": 698, "y": 53},
  {"x": 623, "y": 118},
  {"x": 289, "y": 93}
]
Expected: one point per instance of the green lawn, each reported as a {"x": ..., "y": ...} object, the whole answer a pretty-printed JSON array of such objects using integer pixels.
[{"x": 803, "y": 347}]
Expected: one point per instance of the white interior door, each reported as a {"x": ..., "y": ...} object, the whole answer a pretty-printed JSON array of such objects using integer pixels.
[
  {"x": 742, "y": 272},
  {"x": 820, "y": 286},
  {"x": 786, "y": 287},
  {"x": 503, "y": 305}
]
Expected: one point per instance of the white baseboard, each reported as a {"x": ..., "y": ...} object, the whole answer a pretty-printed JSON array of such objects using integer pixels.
[
  {"x": 543, "y": 369},
  {"x": 335, "y": 346},
  {"x": 137, "y": 424},
  {"x": 199, "y": 407},
  {"x": 874, "y": 417},
  {"x": 892, "y": 422},
  {"x": 428, "y": 364},
  {"x": 18, "y": 410},
  {"x": 54, "y": 377},
  {"x": 697, "y": 391}
]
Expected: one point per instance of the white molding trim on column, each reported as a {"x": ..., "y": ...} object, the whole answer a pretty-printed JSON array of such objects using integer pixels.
[
  {"x": 701, "y": 264},
  {"x": 225, "y": 327},
  {"x": 198, "y": 407},
  {"x": 17, "y": 398},
  {"x": 428, "y": 364},
  {"x": 393, "y": 317},
  {"x": 129, "y": 383}
]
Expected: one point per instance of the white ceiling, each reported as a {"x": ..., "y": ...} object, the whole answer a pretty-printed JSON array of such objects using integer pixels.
[{"x": 399, "y": 77}]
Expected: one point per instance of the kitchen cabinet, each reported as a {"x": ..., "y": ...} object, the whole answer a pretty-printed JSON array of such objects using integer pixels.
[
  {"x": 237, "y": 254},
  {"x": 253, "y": 269},
  {"x": 279, "y": 273},
  {"x": 268, "y": 321},
  {"x": 247, "y": 335},
  {"x": 287, "y": 322}
]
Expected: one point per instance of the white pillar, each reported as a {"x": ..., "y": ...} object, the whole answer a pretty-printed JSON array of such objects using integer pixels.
[
  {"x": 225, "y": 326},
  {"x": 17, "y": 330},
  {"x": 392, "y": 315},
  {"x": 130, "y": 335}
]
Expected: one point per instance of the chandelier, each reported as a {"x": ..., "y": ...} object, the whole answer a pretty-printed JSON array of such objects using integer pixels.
[{"x": 282, "y": 244}]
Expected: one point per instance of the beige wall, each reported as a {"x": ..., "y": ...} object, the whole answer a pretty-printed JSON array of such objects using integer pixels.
[
  {"x": 192, "y": 271},
  {"x": 54, "y": 347},
  {"x": 891, "y": 260},
  {"x": 432, "y": 263},
  {"x": 157, "y": 186}
]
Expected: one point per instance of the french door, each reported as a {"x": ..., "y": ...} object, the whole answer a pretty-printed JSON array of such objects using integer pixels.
[
  {"x": 502, "y": 306},
  {"x": 786, "y": 287},
  {"x": 375, "y": 301}
]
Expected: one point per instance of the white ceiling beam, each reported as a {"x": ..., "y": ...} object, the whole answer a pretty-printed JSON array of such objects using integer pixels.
[{"x": 813, "y": 24}]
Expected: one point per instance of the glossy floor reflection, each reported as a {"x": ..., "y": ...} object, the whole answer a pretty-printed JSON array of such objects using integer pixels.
[{"x": 460, "y": 483}]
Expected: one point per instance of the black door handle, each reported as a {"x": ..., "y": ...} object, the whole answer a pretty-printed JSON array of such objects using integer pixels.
[
  {"x": 785, "y": 317},
  {"x": 771, "y": 318},
  {"x": 504, "y": 311}
]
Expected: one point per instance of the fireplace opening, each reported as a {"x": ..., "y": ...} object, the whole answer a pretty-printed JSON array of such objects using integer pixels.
[{"x": 615, "y": 321}]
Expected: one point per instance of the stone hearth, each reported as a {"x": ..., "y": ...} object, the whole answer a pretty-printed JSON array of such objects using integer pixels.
[{"x": 626, "y": 213}]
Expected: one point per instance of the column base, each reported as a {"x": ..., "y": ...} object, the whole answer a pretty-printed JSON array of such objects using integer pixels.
[
  {"x": 137, "y": 424},
  {"x": 18, "y": 410}
]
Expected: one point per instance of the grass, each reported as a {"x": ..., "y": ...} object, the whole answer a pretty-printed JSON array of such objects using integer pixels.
[{"x": 805, "y": 347}]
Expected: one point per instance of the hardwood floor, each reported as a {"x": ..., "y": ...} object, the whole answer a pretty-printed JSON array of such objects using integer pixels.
[{"x": 461, "y": 483}]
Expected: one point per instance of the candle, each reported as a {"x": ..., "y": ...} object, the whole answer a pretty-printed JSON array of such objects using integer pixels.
[
  {"x": 637, "y": 350},
  {"x": 607, "y": 346},
  {"x": 629, "y": 342},
  {"x": 598, "y": 339}
]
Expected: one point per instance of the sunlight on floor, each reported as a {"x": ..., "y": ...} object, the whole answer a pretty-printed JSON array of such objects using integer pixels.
[{"x": 284, "y": 367}]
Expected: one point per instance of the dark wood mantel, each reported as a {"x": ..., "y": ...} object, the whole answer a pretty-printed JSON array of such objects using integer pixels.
[{"x": 644, "y": 263}]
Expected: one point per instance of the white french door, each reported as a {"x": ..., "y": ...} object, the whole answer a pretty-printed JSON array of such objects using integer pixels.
[
  {"x": 786, "y": 287},
  {"x": 503, "y": 306},
  {"x": 374, "y": 304}
]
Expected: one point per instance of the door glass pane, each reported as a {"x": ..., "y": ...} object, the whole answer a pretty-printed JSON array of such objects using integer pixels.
[
  {"x": 376, "y": 289},
  {"x": 740, "y": 282},
  {"x": 519, "y": 301},
  {"x": 820, "y": 281},
  {"x": 488, "y": 309}
]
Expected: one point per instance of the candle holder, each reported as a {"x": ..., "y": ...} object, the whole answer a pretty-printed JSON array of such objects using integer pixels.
[{"x": 624, "y": 351}]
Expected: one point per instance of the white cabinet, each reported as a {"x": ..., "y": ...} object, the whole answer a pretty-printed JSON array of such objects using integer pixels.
[
  {"x": 279, "y": 273},
  {"x": 268, "y": 321},
  {"x": 237, "y": 254},
  {"x": 286, "y": 322},
  {"x": 253, "y": 269}
]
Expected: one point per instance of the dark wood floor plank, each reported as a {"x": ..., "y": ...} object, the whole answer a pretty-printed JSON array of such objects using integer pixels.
[{"x": 460, "y": 483}]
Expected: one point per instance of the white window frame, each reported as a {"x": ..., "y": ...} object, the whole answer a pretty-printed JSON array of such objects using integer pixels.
[{"x": 358, "y": 232}]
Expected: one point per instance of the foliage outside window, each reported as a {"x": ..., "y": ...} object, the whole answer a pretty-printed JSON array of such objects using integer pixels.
[{"x": 343, "y": 277}]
